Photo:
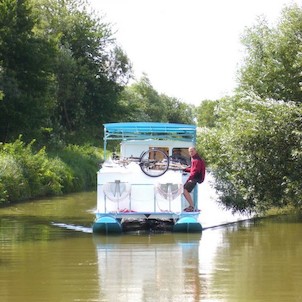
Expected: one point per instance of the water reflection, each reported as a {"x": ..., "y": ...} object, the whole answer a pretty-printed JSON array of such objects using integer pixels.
[
  {"x": 158, "y": 267},
  {"x": 258, "y": 260},
  {"x": 47, "y": 253},
  {"x": 212, "y": 213},
  {"x": 55, "y": 270}
]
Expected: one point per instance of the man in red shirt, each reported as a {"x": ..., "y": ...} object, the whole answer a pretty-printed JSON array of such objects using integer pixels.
[{"x": 197, "y": 174}]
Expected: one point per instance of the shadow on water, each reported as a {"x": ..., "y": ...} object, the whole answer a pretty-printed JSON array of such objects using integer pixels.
[
  {"x": 28, "y": 228},
  {"x": 138, "y": 240},
  {"x": 48, "y": 218}
]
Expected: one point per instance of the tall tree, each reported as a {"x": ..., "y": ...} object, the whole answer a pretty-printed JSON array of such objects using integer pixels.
[
  {"x": 91, "y": 69},
  {"x": 25, "y": 71},
  {"x": 141, "y": 102},
  {"x": 177, "y": 111},
  {"x": 273, "y": 63},
  {"x": 255, "y": 152},
  {"x": 206, "y": 116},
  {"x": 155, "y": 108}
]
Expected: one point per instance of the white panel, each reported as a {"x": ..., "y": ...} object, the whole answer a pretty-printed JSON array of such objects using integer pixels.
[{"x": 142, "y": 198}]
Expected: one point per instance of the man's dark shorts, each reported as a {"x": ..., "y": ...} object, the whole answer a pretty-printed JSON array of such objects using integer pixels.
[{"x": 190, "y": 185}]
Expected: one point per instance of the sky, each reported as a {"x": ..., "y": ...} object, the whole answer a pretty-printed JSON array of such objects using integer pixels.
[{"x": 189, "y": 49}]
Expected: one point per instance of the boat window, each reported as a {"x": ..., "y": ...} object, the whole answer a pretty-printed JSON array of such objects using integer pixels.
[
  {"x": 158, "y": 155},
  {"x": 181, "y": 155}
]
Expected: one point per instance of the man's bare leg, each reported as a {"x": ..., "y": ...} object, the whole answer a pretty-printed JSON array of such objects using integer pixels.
[{"x": 188, "y": 198}]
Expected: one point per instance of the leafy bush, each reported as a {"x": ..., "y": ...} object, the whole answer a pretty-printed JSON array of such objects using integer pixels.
[
  {"x": 83, "y": 162},
  {"x": 255, "y": 150},
  {"x": 13, "y": 185},
  {"x": 26, "y": 173}
]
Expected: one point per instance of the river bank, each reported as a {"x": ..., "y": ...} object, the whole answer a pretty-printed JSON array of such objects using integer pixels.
[{"x": 28, "y": 173}]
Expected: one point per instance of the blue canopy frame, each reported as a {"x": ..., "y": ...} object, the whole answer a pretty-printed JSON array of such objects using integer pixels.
[{"x": 148, "y": 130}]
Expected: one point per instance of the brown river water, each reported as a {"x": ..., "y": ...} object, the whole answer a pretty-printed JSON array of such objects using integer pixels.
[{"x": 48, "y": 253}]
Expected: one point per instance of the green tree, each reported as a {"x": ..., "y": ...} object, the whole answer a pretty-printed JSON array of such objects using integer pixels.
[
  {"x": 151, "y": 99},
  {"x": 141, "y": 102},
  {"x": 90, "y": 68},
  {"x": 256, "y": 154},
  {"x": 25, "y": 72},
  {"x": 273, "y": 63},
  {"x": 61, "y": 71},
  {"x": 206, "y": 113},
  {"x": 254, "y": 148},
  {"x": 132, "y": 107},
  {"x": 177, "y": 111}
]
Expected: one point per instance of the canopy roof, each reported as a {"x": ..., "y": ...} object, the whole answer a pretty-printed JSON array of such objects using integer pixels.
[{"x": 142, "y": 130}]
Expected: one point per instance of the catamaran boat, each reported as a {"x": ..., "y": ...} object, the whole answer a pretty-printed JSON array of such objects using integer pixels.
[{"x": 140, "y": 189}]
